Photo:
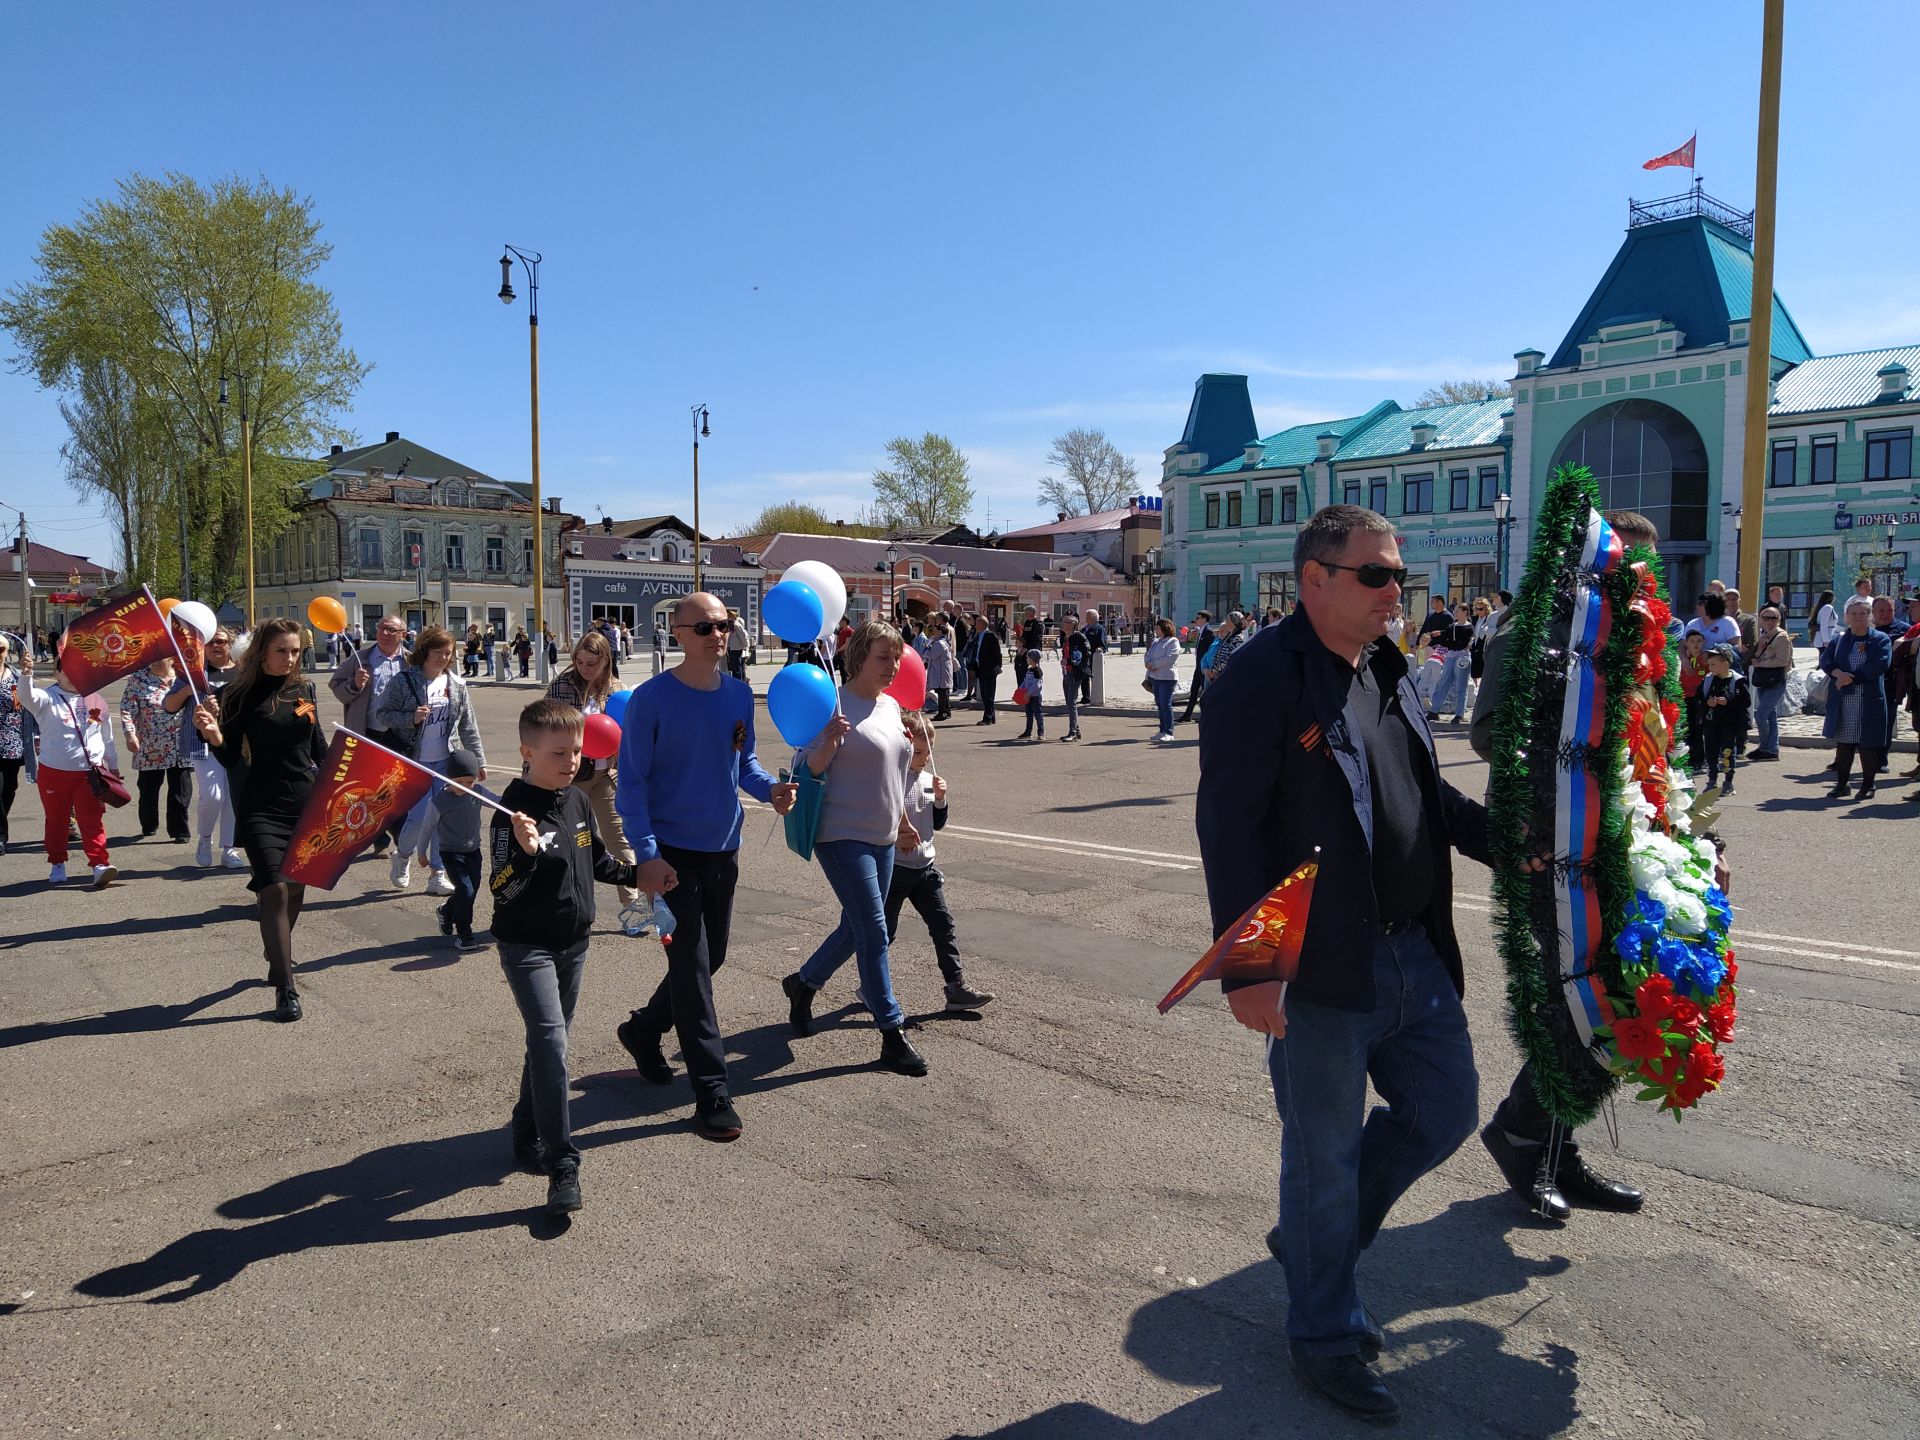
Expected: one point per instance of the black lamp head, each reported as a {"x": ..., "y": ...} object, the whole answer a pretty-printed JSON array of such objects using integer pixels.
[
  {"x": 506, "y": 279},
  {"x": 223, "y": 389}
]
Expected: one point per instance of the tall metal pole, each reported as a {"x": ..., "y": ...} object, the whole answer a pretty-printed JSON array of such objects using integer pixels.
[
  {"x": 26, "y": 589},
  {"x": 538, "y": 637},
  {"x": 1760, "y": 322},
  {"x": 246, "y": 482},
  {"x": 696, "y": 498}
]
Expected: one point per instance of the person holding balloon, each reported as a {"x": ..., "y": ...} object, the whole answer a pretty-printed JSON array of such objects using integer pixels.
[
  {"x": 587, "y": 685},
  {"x": 686, "y": 751},
  {"x": 213, "y": 807},
  {"x": 864, "y": 757}
]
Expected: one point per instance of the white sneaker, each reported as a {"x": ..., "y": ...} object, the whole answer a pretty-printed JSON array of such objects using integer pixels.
[
  {"x": 57, "y": 875},
  {"x": 103, "y": 876},
  {"x": 203, "y": 857},
  {"x": 234, "y": 858},
  {"x": 439, "y": 884},
  {"x": 401, "y": 871}
]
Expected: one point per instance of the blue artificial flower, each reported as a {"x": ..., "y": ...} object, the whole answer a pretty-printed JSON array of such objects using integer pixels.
[
  {"x": 1722, "y": 911},
  {"x": 1634, "y": 938},
  {"x": 1675, "y": 958},
  {"x": 1651, "y": 910}
]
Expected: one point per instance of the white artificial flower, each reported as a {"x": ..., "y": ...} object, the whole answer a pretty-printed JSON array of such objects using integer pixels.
[
  {"x": 1663, "y": 891},
  {"x": 1687, "y": 915},
  {"x": 1647, "y": 870}
]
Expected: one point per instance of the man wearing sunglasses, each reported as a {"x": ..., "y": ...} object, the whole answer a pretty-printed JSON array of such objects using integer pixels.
[
  {"x": 1313, "y": 747},
  {"x": 686, "y": 753},
  {"x": 359, "y": 681}
]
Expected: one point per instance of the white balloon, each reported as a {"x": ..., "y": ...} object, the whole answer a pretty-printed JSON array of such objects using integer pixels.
[
  {"x": 199, "y": 616},
  {"x": 825, "y": 582}
]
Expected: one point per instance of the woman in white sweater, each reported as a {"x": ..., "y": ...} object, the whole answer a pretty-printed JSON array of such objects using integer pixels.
[
  {"x": 75, "y": 736},
  {"x": 863, "y": 756},
  {"x": 1161, "y": 655}
]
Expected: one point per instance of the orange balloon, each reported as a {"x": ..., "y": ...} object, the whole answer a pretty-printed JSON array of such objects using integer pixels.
[
  {"x": 166, "y": 606},
  {"x": 327, "y": 614}
]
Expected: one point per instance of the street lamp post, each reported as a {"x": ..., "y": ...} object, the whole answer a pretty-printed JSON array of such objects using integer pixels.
[
  {"x": 1728, "y": 508},
  {"x": 893, "y": 607},
  {"x": 531, "y": 263},
  {"x": 1502, "y": 518},
  {"x": 246, "y": 480},
  {"x": 699, "y": 429}
]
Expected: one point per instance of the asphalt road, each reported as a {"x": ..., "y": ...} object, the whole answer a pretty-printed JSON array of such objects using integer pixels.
[{"x": 213, "y": 1225}]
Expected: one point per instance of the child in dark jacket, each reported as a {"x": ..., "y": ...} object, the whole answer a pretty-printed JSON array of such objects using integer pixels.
[
  {"x": 457, "y": 827},
  {"x": 916, "y": 878},
  {"x": 1725, "y": 702},
  {"x": 546, "y": 859}
]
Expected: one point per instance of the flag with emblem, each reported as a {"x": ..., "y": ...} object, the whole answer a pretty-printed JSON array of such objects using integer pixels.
[
  {"x": 361, "y": 788},
  {"x": 1682, "y": 156},
  {"x": 110, "y": 643},
  {"x": 1264, "y": 944}
]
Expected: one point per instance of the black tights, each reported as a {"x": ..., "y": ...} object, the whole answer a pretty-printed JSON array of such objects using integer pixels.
[
  {"x": 1871, "y": 757},
  {"x": 279, "y": 913}
]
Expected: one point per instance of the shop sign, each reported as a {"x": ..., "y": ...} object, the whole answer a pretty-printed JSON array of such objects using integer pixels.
[{"x": 1845, "y": 519}]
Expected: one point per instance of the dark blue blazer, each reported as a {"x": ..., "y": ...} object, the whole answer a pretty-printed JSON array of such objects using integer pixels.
[
  {"x": 1869, "y": 678},
  {"x": 1282, "y": 771}
]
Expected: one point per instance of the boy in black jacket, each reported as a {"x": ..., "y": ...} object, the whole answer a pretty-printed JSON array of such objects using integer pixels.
[
  {"x": 1725, "y": 701},
  {"x": 545, "y": 861}
]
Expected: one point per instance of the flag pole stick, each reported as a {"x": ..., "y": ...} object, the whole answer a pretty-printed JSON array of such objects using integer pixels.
[
  {"x": 488, "y": 801},
  {"x": 166, "y": 624}
]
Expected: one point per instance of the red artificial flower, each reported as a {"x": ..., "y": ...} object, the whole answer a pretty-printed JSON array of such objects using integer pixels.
[
  {"x": 1670, "y": 713},
  {"x": 1637, "y": 1038},
  {"x": 1657, "y": 665},
  {"x": 1686, "y": 1016},
  {"x": 1704, "y": 1064},
  {"x": 1683, "y": 1096},
  {"x": 1661, "y": 613},
  {"x": 1733, "y": 971},
  {"x": 1654, "y": 997},
  {"x": 1720, "y": 1018},
  {"x": 1661, "y": 1072}
]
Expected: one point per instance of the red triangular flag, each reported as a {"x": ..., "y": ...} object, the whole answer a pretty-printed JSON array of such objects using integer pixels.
[
  {"x": 1682, "y": 156},
  {"x": 1263, "y": 945}
]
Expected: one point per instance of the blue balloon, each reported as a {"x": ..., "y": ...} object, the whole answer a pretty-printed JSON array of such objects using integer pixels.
[
  {"x": 616, "y": 706},
  {"x": 793, "y": 611},
  {"x": 801, "y": 700}
]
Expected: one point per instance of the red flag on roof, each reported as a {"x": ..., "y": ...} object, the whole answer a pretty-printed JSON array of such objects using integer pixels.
[{"x": 1682, "y": 156}]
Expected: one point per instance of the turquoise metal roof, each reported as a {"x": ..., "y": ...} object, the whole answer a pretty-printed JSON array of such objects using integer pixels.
[
  {"x": 1300, "y": 445},
  {"x": 1733, "y": 266},
  {"x": 1456, "y": 427},
  {"x": 1840, "y": 382},
  {"x": 1220, "y": 419}
]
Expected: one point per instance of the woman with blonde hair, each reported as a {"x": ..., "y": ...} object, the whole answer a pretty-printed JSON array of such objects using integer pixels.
[{"x": 586, "y": 684}]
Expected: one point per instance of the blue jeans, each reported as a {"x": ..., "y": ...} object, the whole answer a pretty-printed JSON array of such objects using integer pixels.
[
  {"x": 1453, "y": 676},
  {"x": 463, "y": 870},
  {"x": 1341, "y": 1170},
  {"x": 859, "y": 874},
  {"x": 545, "y": 985},
  {"x": 1163, "y": 702},
  {"x": 1766, "y": 711},
  {"x": 420, "y": 826}
]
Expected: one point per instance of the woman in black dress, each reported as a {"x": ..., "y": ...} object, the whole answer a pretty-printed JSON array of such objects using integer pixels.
[{"x": 265, "y": 729}]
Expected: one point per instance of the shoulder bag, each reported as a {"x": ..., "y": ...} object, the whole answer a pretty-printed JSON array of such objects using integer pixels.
[
  {"x": 107, "y": 786},
  {"x": 803, "y": 820}
]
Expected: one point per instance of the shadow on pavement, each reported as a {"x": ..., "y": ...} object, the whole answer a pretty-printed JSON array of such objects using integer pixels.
[
  {"x": 1452, "y": 1376},
  {"x": 1136, "y": 802},
  {"x": 135, "y": 1020},
  {"x": 130, "y": 925}
]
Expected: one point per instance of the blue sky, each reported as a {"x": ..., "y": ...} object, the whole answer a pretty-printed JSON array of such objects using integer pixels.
[{"x": 838, "y": 223}]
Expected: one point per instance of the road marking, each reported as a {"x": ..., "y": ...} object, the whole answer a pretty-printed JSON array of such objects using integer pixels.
[
  {"x": 1183, "y": 862},
  {"x": 1068, "y": 847}
]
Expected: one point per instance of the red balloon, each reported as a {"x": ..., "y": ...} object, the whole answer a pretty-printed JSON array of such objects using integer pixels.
[
  {"x": 909, "y": 686},
  {"x": 1183, "y": 632},
  {"x": 602, "y": 740}
]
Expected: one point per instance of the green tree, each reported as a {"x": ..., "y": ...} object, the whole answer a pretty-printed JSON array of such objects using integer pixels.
[
  {"x": 1093, "y": 476},
  {"x": 1463, "y": 392},
  {"x": 795, "y": 517},
  {"x": 926, "y": 485},
  {"x": 173, "y": 284}
]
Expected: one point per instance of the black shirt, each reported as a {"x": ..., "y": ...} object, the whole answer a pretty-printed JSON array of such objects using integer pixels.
[
  {"x": 1436, "y": 622},
  {"x": 1403, "y": 862}
]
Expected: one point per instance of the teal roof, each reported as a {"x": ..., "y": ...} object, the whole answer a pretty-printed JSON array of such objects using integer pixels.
[
  {"x": 1300, "y": 444},
  {"x": 1220, "y": 419},
  {"x": 1841, "y": 382},
  {"x": 1692, "y": 271},
  {"x": 1456, "y": 427}
]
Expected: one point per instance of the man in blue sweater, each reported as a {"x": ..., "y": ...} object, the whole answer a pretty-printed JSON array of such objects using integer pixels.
[{"x": 686, "y": 751}]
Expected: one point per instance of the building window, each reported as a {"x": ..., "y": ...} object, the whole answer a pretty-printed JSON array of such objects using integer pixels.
[
  {"x": 1780, "y": 469},
  {"x": 1467, "y": 583},
  {"x": 1233, "y": 510},
  {"x": 413, "y": 548},
  {"x": 456, "y": 551},
  {"x": 1223, "y": 594},
  {"x": 1289, "y": 504},
  {"x": 526, "y": 553},
  {"x": 1416, "y": 495},
  {"x": 1803, "y": 574},
  {"x": 915, "y": 571},
  {"x": 369, "y": 549},
  {"x": 1350, "y": 493},
  {"x": 1274, "y": 590},
  {"x": 1826, "y": 450},
  {"x": 496, "y": 554},
  {"x": 1459, "y": 490},
  {"x": 1263, "y": 507},
  {"x": 1377, "y": 494},
  {"x": 1489, "y": 487},
  {"x": 1213, "y": 512},
  {"x": 307, "y": 546},
  {"x": 1889, "y": 454}
]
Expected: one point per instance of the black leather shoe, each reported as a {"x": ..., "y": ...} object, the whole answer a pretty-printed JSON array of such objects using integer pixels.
[
  {"x": 1348, "y": 1383},
  {"x": 715, "y": 1118},
  {"x": 563, "y": 1190},
  {"x": 644, "y": 1046},
  {"x": 288, "y": 1010},
  {"x": 1583, "y": 1186},
  {"x": 527, "y": 1152},
  {"x": 799, "y": 1003},
  {"x": 897, "y": 1053},
  {"x": 1866, "y": 791},
  {"x": 1525, "y": 1167},
  {"x": 1840, "y": 791}
]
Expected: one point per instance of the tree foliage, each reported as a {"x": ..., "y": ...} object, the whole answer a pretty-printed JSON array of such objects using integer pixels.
[
  {"x": 794, "y": 517},
  {"x": 1464, "y": 392},
  {"x": 926, "y": 484},
  {"x": 138, "y": 309},
  {"x": 1093, "y": 476}
]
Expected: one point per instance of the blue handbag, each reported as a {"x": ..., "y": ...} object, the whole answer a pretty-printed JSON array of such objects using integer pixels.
[{"x": 803, "y": 820}]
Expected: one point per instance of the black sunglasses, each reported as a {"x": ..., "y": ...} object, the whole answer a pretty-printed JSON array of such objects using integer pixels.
[
  {"x": 1374, "y": 577},
  {"x": 706, "y": 627}
]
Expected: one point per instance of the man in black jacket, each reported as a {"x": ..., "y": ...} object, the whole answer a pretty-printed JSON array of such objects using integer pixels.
[
  {"x": 987, "y": 659},
  {"x": 1313, "y": 747},
  {"x": 1202, "y": 622}
]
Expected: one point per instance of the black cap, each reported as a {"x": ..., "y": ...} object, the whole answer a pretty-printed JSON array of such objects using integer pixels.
[
  {"x": 463, "y": 764},
  {"x": 1725, "y": 652}
]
